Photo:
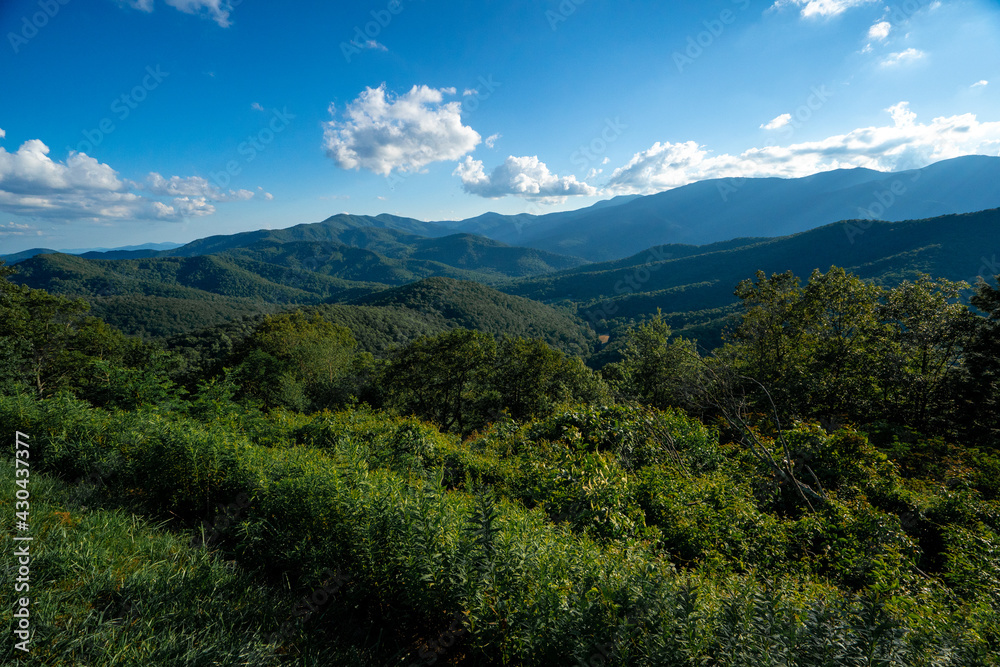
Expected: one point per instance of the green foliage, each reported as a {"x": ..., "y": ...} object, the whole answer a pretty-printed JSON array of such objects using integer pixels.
[
  {"x": 841, "y": 349},
  {"x": 982, "y": 391},
  {"x": 51, "y": 345},
  {"x": 360, "y": 491},
  {"x": 564, "y": 527},
  {"x": 110, "y": 588},
  {"x": 299, "y": 362},
  {"x": 463, "y": 380},
  {"x": 655, "y": 369}
]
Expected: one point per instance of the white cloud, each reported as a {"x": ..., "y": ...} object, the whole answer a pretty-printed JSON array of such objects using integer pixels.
[
  {"x": 30, "y": 170},
  {"x": 256, "y": 106},
  {"x": 370, "y": 44},
  {"x": 179, "y": 186},
  {"x": 2, "y": 133},
  {"x": 909, "y": 55},
  {"x": 777, "y": 122},
  {"x": 526, "y": 177},
  {"x": 901, "y": 114},
  {"x": 982, "y": 83},
  {"x": 192, "y": 186},
  {"x": 191, "y": 207},
  {"x": 821, "y": 8},
  {"x": 880, "y": 30},
  {"x": 34, "y": 185},
  {"x": 14, "y": 229},
  {"x": 905, "y": 144},
  {"x": 217, "y": 10},
  {"x": 492, "y": 140},
  {"x": 382, "y": 133}
]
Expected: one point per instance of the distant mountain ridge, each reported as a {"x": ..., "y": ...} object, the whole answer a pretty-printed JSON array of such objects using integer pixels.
[{"x": 720, "y": 209}]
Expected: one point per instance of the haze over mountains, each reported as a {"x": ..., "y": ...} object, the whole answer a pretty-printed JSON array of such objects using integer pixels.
[{"x": 353, "y": 260}]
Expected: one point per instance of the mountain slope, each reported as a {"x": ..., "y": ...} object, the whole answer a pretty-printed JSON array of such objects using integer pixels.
[
  {"x": 165, "y": 296},
  {"x": 474, "y": 306},
  {"x": 715, "y": 210},
  {"x": 682, "y": 280}
]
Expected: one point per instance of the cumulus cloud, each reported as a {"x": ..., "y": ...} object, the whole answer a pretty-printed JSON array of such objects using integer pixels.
[
  {"x": 901, "y": 114},
  {"x": 34, "y": 185},
  {"x": 879, "y": 31},
  {"x": 380, "y": 132},
  {"x": 14, "y": 229},
  {"x": 777, "y": 122},
  {"x": 909, "y": 55},
  {"x": 216, "y": 10},
  {"x": 905, "y": 144},
  {"x": 193, "y": 186},
  {"x": 526, "y": 177},
  {"x": 30, "y": 170},
  {"x": 821, "y": 8},
  {"x": 492, "y": 140}
]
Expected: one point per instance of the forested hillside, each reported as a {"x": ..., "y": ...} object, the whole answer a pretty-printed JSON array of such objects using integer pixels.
[{"x": 693, "y": 285}]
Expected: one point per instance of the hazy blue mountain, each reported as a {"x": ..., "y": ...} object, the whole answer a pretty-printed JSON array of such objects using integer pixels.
[
  {"x": 330, "y": 229},
  {"x": 720, "y": 209},
  {"x": 124, "y": 252}
]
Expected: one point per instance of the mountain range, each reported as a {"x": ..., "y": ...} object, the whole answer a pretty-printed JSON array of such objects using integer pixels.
[
  {"x": 720, "y": 209},
  {"x": 440, "y": 271}
]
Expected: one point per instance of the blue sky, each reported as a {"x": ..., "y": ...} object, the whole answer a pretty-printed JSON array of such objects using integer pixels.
[{"x": 132, "y": 121}]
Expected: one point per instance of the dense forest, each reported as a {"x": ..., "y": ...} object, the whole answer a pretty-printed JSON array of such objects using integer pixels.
[{"x": 418, "y": 479}]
